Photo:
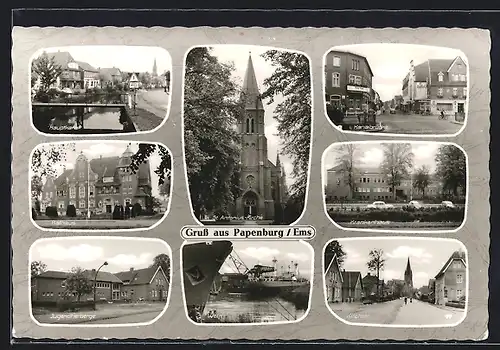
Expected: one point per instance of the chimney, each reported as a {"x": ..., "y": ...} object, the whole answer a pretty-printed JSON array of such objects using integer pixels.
[{"x": 131, "y": 269}]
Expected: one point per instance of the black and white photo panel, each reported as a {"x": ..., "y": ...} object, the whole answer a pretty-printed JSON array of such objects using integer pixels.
[
  {"x": 247, "y": 282},
  {"x": 396, "y": 281},
  {"x": 99, "y": 89},
  {"x": 406, "y": 186},
  {"x": 397, "y": 89},
  {"x": 96, "y": 281},
  {"x": 247, "y": 134},
  {"x": 99, "y": 185}
]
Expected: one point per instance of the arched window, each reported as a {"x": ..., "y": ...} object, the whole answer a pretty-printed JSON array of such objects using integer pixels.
[
  {"x": 247, "y": 129},
  {"x": 252, "y": 126}
]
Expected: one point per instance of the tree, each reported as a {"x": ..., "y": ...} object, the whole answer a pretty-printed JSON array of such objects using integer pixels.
[
  {"x": 346, "y": 159},
  {"x": 78, "y": 283},
  {"x": 145, "y": 79},
  {"x": 144, "y": 152},
  {"x": 292, "y": 81},
  {"x": 334, "y": 248},
  {"x": 376, "y": 264},
  {"x": 422, "y": 179},
  {"x": 45, "y": 157},
  {"x": 47, "y": 71},
  {"x": 162, "y": 260},
  {"x": 451, "y": 168},
  {"x": 398, "y": 159},
  {"x": 37, "y": 268},
  {"x": 36, "y": 187},
  {"x": 212, "y": 105}
]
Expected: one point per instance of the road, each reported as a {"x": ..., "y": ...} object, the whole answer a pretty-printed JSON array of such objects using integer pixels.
[
  {"x": 417, "y": 124},
  {"x": 395, "y": 312},
  {"x": 137, "y": 318},
  {"x": 154, "y": 101},
  {"x": 96, "y": 224}
]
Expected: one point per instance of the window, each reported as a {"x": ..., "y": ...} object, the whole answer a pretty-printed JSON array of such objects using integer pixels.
[
  {"x": 100, "y": 204},
  {"x": 355, "y": 64},
  {"x": 81, "y": 175},
  {"x": 460, "y": 278},
  {"x": 91, "y": 204},
  {"x": 459, "y": 293},
  {"x": 454, "y": 77},
  {"x": 440, "y": 92},
  {"x": 336, "y": 61},
  {"x": 61, "y": 205},
  {"x": 336, "y": 80},
  {"x": 464, "y": 92},
  {"x": 358, "y": 80},
  {"x": 72, "y": 192},
  {"x": 455, "y": 92},
  {"x": 63, "y": 285},
  {"x": 445, "y": 292},
  {"x": 462, "y": 77},
  {"x": 81, "y": 204},
  {"x": 352, "y": 79},
  {"x": 440, "y": 77},
  {"x": 81, "y": 191}
]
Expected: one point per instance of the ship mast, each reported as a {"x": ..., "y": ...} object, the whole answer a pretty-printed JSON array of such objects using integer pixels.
[{"x": 275, "y": 267}]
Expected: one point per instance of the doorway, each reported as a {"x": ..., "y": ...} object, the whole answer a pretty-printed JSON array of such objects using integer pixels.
[
  {"x": 461, "y": 108},
  {"x": 250, "y": 204}
]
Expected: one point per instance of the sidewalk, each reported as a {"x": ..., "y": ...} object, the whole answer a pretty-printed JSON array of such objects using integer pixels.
[{"x": 106, "y": 313}]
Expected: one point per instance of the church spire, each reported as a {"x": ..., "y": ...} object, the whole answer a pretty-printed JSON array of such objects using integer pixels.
[
  {"x": 278, "y": 162},
  {"x": 251, "y": 88},
  {"x": 408, "y": 268},
  {"x": 155, "y": 69}
]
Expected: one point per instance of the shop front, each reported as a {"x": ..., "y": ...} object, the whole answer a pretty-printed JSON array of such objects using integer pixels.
[{"x": 358, "y": 99}]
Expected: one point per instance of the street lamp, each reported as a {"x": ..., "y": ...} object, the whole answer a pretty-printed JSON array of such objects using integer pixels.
[{"x": 95, "y": 280}]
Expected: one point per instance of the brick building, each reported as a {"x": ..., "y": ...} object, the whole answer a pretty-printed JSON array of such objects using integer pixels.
[
  {"x": 98, "y": 184},
  {"x": 149, "y": 284},
  {"x": 333, "y": 281},
  {"x": 348, "y": 80},
  {"x": 450, "y": 282},
  {"x": 352, "y": 286}
]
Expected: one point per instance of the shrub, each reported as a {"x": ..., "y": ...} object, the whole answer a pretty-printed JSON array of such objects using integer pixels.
[
  {"x": 51, "y": 212},
  {"x": 396, "y": 215},
  {"x": 127, "y": 212},
  {"x": 137, "y": 209},
  {"x": 71, "y": 211},
  {"x": 116, "y": 213}
]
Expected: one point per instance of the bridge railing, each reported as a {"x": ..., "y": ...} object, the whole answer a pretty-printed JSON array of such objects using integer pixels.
[{"x": 113, "y": 97}]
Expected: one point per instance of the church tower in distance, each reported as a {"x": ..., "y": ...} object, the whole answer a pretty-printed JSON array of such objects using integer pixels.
[
  {"x": 155, "y": 69},
  {"x": 261, "y": 180},
  {"x": 408, "y": 286}
]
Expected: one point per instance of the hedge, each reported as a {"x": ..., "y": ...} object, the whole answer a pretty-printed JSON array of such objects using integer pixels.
[
  {"x": 51, "y": 212},
  {"x": 64, "y": 305},
  {"x": 71, "y": 211},
  {"x": 439, "y": 215}
]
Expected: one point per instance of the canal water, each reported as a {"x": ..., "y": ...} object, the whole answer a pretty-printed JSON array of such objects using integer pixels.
[
  {"x": 234, "y": 308},
  {"x": 61, "y": 119}
]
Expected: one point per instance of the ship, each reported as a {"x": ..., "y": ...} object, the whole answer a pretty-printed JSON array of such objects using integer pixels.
[
  {"x": 263, "y": 281},
  {"x": 201, "y": 263}
]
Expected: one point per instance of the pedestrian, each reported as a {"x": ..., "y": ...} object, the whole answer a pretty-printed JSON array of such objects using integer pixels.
[
  {"x": 411, "y": 300},
  {"x": 406, "y": 301},
  {"x": 442, "y": 113}
]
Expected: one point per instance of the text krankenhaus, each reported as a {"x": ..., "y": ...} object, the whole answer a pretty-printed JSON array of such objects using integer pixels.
[{"x": 295, "y": 232}]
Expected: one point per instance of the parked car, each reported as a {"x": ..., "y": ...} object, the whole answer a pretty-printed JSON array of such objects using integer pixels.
[
  {"x": 392, "y": 110},
  {"x": 415, "y": 204},
  {"x": 447, "y": 204},
  {"x": 379, "y": 205}
]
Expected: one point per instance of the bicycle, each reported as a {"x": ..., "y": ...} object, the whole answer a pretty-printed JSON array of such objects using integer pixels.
[{"x": 442, "y": 117}]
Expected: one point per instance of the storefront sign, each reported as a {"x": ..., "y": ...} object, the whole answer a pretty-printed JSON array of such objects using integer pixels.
[{"x": 358, "y": 89}]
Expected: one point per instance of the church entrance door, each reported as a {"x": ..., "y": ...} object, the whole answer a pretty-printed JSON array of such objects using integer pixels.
[{"x": 250, "y": 204}]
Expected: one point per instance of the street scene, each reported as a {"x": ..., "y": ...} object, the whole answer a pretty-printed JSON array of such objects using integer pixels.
[
  {"x": 247, "y": 139},
  {"x": 95, "y": 185},
  {"x": 396, "y": 88},
  {"x": 247, "y": 282},
  {"x": 396, "y": 281},
  {"x": 100, "y": 89},
  {"x": 395, "y": 185},
  {"x": 99, "y": 280}
]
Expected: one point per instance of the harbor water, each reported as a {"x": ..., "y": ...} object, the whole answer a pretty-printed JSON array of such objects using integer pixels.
[{"x": 235, "y": 308}]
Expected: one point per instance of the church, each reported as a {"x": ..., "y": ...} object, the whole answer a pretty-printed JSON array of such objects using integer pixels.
[
  {"x": 263, "y": 182},
  {"x": 408, "y": 283}
]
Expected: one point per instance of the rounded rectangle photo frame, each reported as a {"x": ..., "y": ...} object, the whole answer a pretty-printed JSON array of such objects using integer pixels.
[
  {"x": 419, "y": 90},
  {"x": 258, "y": 300},
  {"x": 256, "y": 167},
  {"x": 401, "y": 205},
  {"x": 130, "y": 185},
  {"x": 80, "y": 91},
  {"x": 130, "y": 296},
  {"x": 396, "y": 303}
]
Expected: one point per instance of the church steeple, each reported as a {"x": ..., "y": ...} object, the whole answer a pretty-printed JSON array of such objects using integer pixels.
[
  {"x": 278, "y": 162},
  {"x": 408, "y": 271},
  {"x": 250, "y": 88},
  {"x": 155, "y": 69}
]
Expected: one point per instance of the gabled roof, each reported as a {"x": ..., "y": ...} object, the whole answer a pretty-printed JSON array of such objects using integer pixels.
[
  {"x": 54, "y": 274},
  {"x": 336, "y": 262},
  {"x": 104, "y": 166},
  {"x": 458, "y": 58},
  {"x": 61, "y": 179},
  {"x": 422, "y": 72},
  {"x": 448, "y": 263},
  {"x": 61, "y": 58},
  {"x": 102, "y": 276},
  {"x": 140, "y": 276},
  {"x": 87, "y": 67},
  {"x": 111, "y": 71},
  {"x": 439, "y": 65},
  {"x": 351, "y": 277}
]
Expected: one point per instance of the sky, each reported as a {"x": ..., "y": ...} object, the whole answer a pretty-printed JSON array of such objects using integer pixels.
[
  {"x": 259, "y": 252},
  {"x": 95, "y": 149},
  {"x": 90, "y": 253},
  {"x": 427, "y": 257},
  {"x": 371, "y": 155},
  {"x": 127, "y": 58},
  {"x": 391, "y": 62},
  {"x": 238, "y": 55}
]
